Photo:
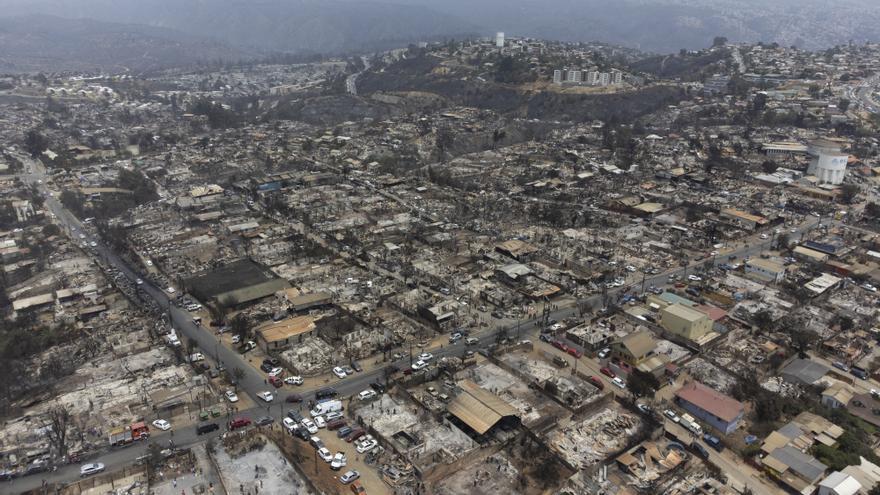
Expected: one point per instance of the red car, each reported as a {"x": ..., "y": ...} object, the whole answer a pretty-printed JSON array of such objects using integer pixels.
[
  {"x": 276, "y": 382},
  {"x": 595, "y": 380},
  {"x": 355, "y": 434},
  {"x": 607, "y": 372},
  {"x": 574, "y": 352},
  {"x": 560, "y": 345},
  {"x": 239, "y": 423}
]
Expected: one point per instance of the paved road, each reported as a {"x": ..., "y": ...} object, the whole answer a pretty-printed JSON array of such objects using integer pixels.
[{"x": 351, "y": 81}]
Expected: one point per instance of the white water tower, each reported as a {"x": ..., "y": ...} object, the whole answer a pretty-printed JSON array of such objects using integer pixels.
[
  {"x": 828, "y": 162},
  {"x": 499, "y": 40}
]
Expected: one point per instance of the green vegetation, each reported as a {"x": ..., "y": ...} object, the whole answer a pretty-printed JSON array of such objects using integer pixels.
[
  {"x": 642, "y": 384},
  {"x": 513, "y": 70},
  {"x": 850, "y": 445},
  {"x": 218, "y": 116},
  {"x": 112, "y": 204}
]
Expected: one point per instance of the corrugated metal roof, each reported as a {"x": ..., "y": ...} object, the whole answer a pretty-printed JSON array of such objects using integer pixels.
[{"x": 478, "y": 408}]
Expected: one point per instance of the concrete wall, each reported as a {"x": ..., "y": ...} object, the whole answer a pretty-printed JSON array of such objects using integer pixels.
[{"x": 683, "y": 327}]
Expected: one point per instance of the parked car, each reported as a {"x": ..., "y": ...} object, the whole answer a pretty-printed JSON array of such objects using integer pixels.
[
  {"x": 276, "y": 372},
  {"x": 293, "y": 398},
  {"x": 354, "y": 435},
  {"x": 266, "y": 396},
  {"x": 367, "y": 394},
  {"x": 574, "y": 352},
  {"x": 595, "y": 380},
  {"x": 378, "y": 387},
  {"x": 455, "y": 337},
  {"x": 471, "y": 341},
  {"x": 309, "y": 425},
  {"x": 604, "y": 352},
  {"x": 607, "y": 372},
  {"x": 276, "y": 382},
  {"x": 289, "y": 424},
  {"x": 339, "y": 461},
  {"x": 357, "y": 366},
  {"x": 265, "y": 420},
  {"x": 336, "y": 424},
  {"x": 90, "y": 469},
  {"x": 669, "y": 413},
  {"x": 319, "y": 422},
  {"x": 325, "y": 454},
  {"x": 325, "y": 393},
  {"x": 349, "y": 476},
  {"x": 162, "y": 424},
  {"x": 344, "y": 431},
  {"x": 231, "y": 396},
  {"x": 618, "y": 382},
  {"x": 839, "y": 365},
  {"x": 426, "y": 356},
  {"x": 339, "y": 372},
  {"x": 203, "y": 428},
  {"x": 330, "y": 416},
  {"x": 239, "y": 423},
  {"x": 416, "y": 366},
  {"x": 294, "y": 380}
]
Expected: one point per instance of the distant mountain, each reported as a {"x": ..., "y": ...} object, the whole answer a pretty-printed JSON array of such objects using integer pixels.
[
  {"x": 48, "y": 43},
  {"x": 169, "y": 32},
  {"x": 669, "y": 25},
  {"x": 320, "y": 26}
]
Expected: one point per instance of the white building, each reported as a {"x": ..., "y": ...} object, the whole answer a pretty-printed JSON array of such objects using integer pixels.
[
  {"x": 828, "y": 163},
  {"x": 573, "y": 76},
  {"x": 604, "y": 79},
  {"x": 616, "y": 77},
  {"x": 499, "y": 40},
  {"x": 592, "y": 78},
  {"x": 838, "y": 483},
  {"x": 557, "y": 76}
]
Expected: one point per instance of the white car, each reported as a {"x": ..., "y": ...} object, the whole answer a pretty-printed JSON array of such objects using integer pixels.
[
  {"x": 349, "y": 476},
  {"x": 426, "y": 356},
  {"x": 276, "y": 371},
  {"x": 90, "y": 469},
  {"x": 339, "y": 372},
  {"x": 618, "y": 382},
  {"x": 319, "y": 422},
  {"x": 630, "y": 268},
  {"x": 604, "y": 352},
  {"x": 309, "y": 425},
  {"x": 694, "y": 278},
  {"x": 339, "y": 461},
  {"x": 325, "y": 454},
  {"x": 764, "y": 236},
  {"x": 367, "y": 394},
  {"x": 140, "y": 282},
  {"x": 669, "y": 413},
  {"x": 236, "y": 339},
  {"x": 231, "y": 396},
  {"x": 416, "y": 366},
  {"x": 294, "y": 380},
  {"x": 162, "y": 424},
  {"x": 330, "y": 416},
  {"x": 367, "y": 446},
  {"x": 869, "y": 288},
  {"x": 266, "y": 396},
  {"x": 196, "y": 357},
  {"x": 289, "y": 424}
]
